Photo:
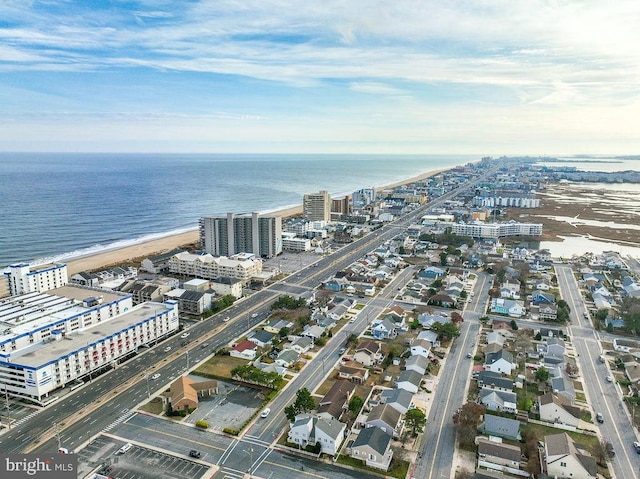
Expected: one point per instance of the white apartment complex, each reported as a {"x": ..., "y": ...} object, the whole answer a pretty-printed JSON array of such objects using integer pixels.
[
  {"x": 230, "y": 234},
  {"x": 317, "y": 206},
  {"x": 49, "y": 340},
  {"x": 241, "y": 267},
  {"x": 23, "y": 280},
  {"x": 493, "y": 230},
  {"x": 291, "y": 243}
]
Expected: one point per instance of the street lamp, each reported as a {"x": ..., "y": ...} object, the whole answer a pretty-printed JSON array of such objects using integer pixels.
[
  {"x": 187, "y": 360},
  {"x": 250, "y": 452},
  {"x": 148, "y": 390}
]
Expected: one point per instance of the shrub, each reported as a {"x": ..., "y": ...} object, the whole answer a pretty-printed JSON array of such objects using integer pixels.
[
  {"x": 230, "y": 430},
  {"x": 202, "y": 424}
]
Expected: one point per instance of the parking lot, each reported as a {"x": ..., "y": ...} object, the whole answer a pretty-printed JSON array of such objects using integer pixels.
[
  {"x": 232, "y": 407},
  {"x": 137, "y": 463}
]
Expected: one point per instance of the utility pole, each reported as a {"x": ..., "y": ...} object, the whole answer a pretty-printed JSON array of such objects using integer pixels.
[
  {"x": 148, "y": 390},
  {"x": 187, "y": 360},
  {"x": 55, "y": 425}
]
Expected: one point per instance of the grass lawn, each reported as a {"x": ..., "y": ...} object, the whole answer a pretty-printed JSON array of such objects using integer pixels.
[
  {"x": 153, "y": 407},
  {"x": 220, "y": 366},
  {"x": 398, "y": 469},
  {"x": 325, "y": 386}
]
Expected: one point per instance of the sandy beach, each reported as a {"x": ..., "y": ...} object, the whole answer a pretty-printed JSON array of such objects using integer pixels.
[{"x": 140, "y": 251}]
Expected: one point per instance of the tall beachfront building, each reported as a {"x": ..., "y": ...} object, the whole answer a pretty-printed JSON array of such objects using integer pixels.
[
  {"x": 363, "y": 197},
  {"x": 57, "y": 338},
  {"x": 22, "y": 279},
  {"x": 249, "y": 233},
  {"x": 317, "y": 206}
]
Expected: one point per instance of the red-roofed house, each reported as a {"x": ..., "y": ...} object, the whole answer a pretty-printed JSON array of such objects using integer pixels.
[{"x": 245, "y": 350}]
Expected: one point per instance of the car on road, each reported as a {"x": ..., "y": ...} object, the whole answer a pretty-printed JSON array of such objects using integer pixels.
[
  {"x": 195, "y": 454},
  {"x": 226, "y": 319},
  {"x": 155, "y": 376},
  {"x": 184, "y": 335},
  {"x": 265, "y": 413},
  {"x": 204, "y": 345},
  {"x": 609, "y": 379},
  {"x": 636, "y": 446},
  {"x": 341, "y": 351},
  {"x": 609, "y": 449},
  {"x": 469, "y": 355},
  {"x": 352, "y": 320},
  {"x": 254, "y": 315},
  {"x": 167, "y": 349},
  {"x": 599, "y": 418}
]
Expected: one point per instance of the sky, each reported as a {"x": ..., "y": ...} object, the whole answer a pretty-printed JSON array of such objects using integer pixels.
[{"x": 350, "y": 76}]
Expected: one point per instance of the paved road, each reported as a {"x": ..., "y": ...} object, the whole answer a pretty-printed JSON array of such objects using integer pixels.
[{"x": 604, "y": 397}]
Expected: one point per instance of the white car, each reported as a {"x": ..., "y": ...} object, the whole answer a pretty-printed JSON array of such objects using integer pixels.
[
  {"x": 184, "y": 335},
  {"x": 265, "y": 413},
  {"x": 155, "y": 376},
  {"x": 226, "y": 319},
  {"x": 254, "y": 315},
  {"x": 609, "y": 379}
]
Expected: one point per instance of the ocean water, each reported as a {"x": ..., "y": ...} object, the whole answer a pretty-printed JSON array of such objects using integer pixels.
[{"x": 61, "y": 206}]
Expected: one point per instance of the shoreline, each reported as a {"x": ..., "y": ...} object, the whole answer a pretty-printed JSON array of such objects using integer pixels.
[{"x": 115, "y": 256}]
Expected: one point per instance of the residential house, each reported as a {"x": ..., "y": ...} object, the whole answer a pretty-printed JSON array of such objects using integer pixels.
[
  {"x": 383, "y": 329},
  {"x": 308, "y": 430},
  {"x": 336, "y": 401},
  {"x": 565, "y": 458},
  {"x": 493, "y": 380},
  {"x": 562, "y": 385},
  {"x": 286, "y": 358},
  {"x": 399, "y": 399},
  {"x": 555, "y": 347},
  {"x": 428, "y": 320},
  {"x": 546, "y": 333},
  {"x": 501, "y": 427},
  {"x": 540, "y": 297},
  {"x": 421, "y": 347},
  {"x": 443, "y": 300},
  {"x": 409, "y": 381},
  {"x": 397, "y": 320},
  {"x": 329, "y": 433},
  {"x": 429, "y": 336},
  {"x": 244, "y": 350},
  {"x": 275, "y": 325},
  {"x": 558, "y": 410},
  {"x": 387, "y": 418},
  {"x": 301, "y": 344},
  {"x": 313, "y": 332},
  {"x": 495, "y": 337},
  {"x": 261, "y": 338},
  {"x": 495, "y": 456},
  {"x": 373, "y": 447},
  {"x": 500, "y": 362},
  {"x": 510, "y": 307},
  {"x": 417, "y": 363},
  {"x": 353, "y": 372},
  {"x": 499, "y": 401},
  {"x": 369, "y": 353},
  {"x": 336, "y": 284}
]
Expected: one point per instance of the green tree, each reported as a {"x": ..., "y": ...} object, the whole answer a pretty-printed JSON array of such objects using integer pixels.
[
  {"x": 514, "y": 325},
  {"x": 602, "y": 314},
  {"x": 445, "y": 331},
  {"x": 304, "y": 401},
  {"x": 415, "y": 420},
  {"x": 352, "y": 339},
  {"x": 355, "y": 404},
  {"x": 290, "y": 412},
  {"x": 542, "y": 374}
]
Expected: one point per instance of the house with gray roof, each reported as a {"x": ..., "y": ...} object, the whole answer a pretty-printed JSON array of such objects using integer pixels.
[
  {"x": 566, "y": 458},
  {"x": 563, "y": 386},
  {"x": 373, "y": 447},
  {"x": 428, "y": 320},
  {"x": 558, "y": 410},
  {"x": 417, "y": 363},
  {"x": 501, "y": 427},
  {"x": 383, "y": 329},
  {"x": 387, "y": 418},
  {"x": 308, "y": 430},
  {"x": 500, "y": 362},
  {"x": 286, "y": 357},
  {"x": 302, "y": 344},
  {"x": 421, "y": 347},
  {"x": 409, "y": 381},
  {"x": 429, "y": 336},
  {"x": 397, "y": 398},
  {"x": 496, "y": 381},
  {"x": 261, "y": 338},
  {"x": 495, "y": 455},
  {"x": 499, "y": 401}
]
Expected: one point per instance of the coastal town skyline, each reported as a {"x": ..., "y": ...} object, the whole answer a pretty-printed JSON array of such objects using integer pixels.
[{"x": 490, "y": 79}]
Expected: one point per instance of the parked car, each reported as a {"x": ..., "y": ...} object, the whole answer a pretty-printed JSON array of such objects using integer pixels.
[
  {"x": 125, "y": 448},
  {"x": 636, "y": 446},
  {"x": 609, "y": 379},
  {"x": 194, "y": 453},
  {"x": 609, "y": 448},
  {"x": 599, "y": 418},
  {"x": 341, "y": 351}
]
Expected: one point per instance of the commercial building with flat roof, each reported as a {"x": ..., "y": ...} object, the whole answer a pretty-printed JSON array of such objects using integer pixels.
[
  {"x": 317, "y": 206},
  {"x": 49, "y": 340},
  {"x": 23, "y": 279}
]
